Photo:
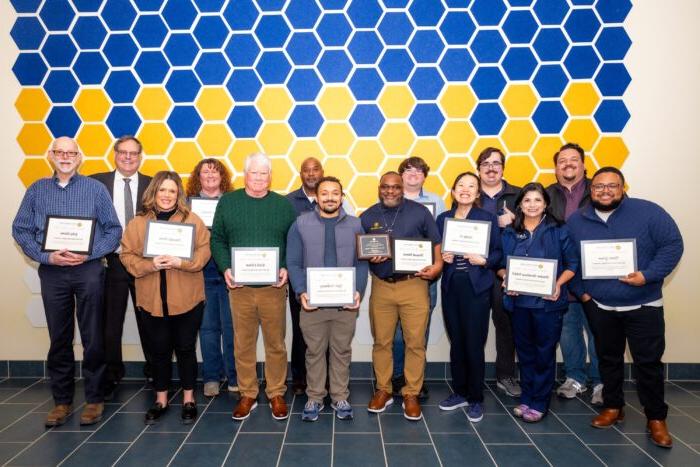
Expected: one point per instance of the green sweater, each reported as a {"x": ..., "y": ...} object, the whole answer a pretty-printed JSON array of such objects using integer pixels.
[{"x": 241, "y": 220}]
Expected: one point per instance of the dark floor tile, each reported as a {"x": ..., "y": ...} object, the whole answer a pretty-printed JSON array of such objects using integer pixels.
[
  {"x": 680, "y": 397},
  {"x": 500, "y": 429},
  {"x": 201, "y": 455},
  {"x": 403, "y": 455},
  {"x": 492, "y": 405},
  {"x": 559, "y": 405},
  {"x": 10, "y": 450},
  {"x": 224, "y": 402},
  {"x": 517, "y": 456},
  {"x": 635, "y": 422},
  {"x": 6, "y": 393},
  {"x": 629, "y": 456},
  {"x": 437, "y": 391},
  {"x": 170, "y": 422},
  {"x": 396, "y": 429},
  {"x": 320, "y": 431},
  {"x": 548, "y": 424},
  {"x": 435, "y": 371},
  {"x": 50, "y": 449},
  {"x": 96, "y": 454},
  {"x": 261, "y": 421},
  {"x": 363, "y": 422},
  {"x": 152, "y": 449},
  {"x": 581, "y": 425},
  {"x": 360, "y": 393},
  {"x": 34, "y": 394},
  {"x": 683, "y": 371},
  {"x": 125, "y": 391},
  {"x": 17, "y": 382},
  {"x": 139, "y": 402},
  {"x": 691, "y": 411},
  {"x": 688, "y": 385},
  {"x": 459, "y": 449},
  {"x": 26, "y": 430},
  {"x": 680, "y": 455},
  {"x": 24, "y": 369},
  {"x": 565, "y": 450},
  {"x": 684, "y": 428},
  {"x": 502, "y": 397},
  {"x": 214, "y": 428},
  {"x": 361, "y": 370},
  {"x": 440, "y": 421},
  {"x": 260, "y": 450},
  {"x": 300, "y": 455},
  {"x": 120, "y": 428},
  {"x": 10, "y": 413},
  {"x": 354, "y": 450}
]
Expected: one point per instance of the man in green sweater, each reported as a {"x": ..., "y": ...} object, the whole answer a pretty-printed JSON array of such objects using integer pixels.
[{"x": 256, "y": 217}]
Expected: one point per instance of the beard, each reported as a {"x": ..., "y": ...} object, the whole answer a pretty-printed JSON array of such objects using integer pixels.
[
  {"x": 330, "y": 209},
  {"x": 607, "y": 207}
]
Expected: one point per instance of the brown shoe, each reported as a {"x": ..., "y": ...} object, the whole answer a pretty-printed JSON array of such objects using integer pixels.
[
  {"x": 244, "y": 407},
  {"x": 279, "y": 408},
  {"x": 380, "y": 401},
  {"x": 92, "y": 413},
  {"x": 608, "y": 417},
  {"x": 58, "y": 415},
  {"x": 411, "y": 408},
  {"x": 659, "y": 433}
]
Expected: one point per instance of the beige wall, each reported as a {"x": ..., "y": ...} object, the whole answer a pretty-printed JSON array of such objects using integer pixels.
[{"x": 662, "y": 99}]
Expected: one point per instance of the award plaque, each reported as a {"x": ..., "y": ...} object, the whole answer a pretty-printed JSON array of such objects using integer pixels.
[
  {"x": 330, "y": 287},
  {"x": 608, "y": 259},
  {"x": 531, "y": 276},
  {"x": 204, "y": 208},
  {"x": 75, "y": 234},
  {"x": 371, "y": 245},
  {"x": 169, "y": 238},
  {"x": 411, "y": 254},
  {"x": 463, "y": 237},
  {"x": 255, "y": 266}
]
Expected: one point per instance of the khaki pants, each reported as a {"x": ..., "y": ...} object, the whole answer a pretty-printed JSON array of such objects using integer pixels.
[
  {"x": 408, "y": 301},
  {"x": 264, "y": 306},
  {"x": 332, "y": 330}
]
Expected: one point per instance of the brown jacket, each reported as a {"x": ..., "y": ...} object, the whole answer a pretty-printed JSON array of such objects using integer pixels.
[{"x": 185, "y": 285}]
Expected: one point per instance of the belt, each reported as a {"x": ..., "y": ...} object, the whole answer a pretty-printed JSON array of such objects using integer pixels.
[{"x": 396, "y": 278}]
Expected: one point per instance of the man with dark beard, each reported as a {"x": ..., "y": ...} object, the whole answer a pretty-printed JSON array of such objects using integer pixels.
[{"x": 628, "y": 309}]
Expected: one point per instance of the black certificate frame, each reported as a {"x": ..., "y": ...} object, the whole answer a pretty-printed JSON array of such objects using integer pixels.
[
  {"x": 149, "y": 254},
  {"x": 534, "y": 260},
  {"x": 360, "y": 237},
  {"x": 452, "y": 220},
  {"x": 47, "y": 221},
  {"x": 272, "y": 249},
  {"x": 310, "y": 271},
  {"x": 428, "y": 243},
  {"x": 584, "y": 273}
]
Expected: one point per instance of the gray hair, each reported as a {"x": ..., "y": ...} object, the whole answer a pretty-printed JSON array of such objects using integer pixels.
[{"x": 257, "y": 157}]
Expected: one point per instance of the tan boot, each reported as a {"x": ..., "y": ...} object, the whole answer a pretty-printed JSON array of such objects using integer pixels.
[
  {"x": 58, "y": 415},
  {"x": 659, "y": 433},
  {"x": 607, "y": 418},
  {"x": 92, "y": 413}
]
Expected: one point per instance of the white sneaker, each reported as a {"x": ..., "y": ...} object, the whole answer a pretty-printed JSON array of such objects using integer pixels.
[
  {"x": 211, "y": 389},
  {"x": 597, "y": 397},
  {"x": 570, "y": 389},
  {"x": 233, "y": 389}
]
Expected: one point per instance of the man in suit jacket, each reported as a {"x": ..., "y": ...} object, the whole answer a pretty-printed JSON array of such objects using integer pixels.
[{"x": 126, "y": 186}]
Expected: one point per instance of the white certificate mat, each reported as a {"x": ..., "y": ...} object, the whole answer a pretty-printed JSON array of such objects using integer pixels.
[
  {"x": 255, "y": 266},
  {"x": 432, "y": 207},
  {"x": 169, "y": 238},
  {"x": 75, "y": 234},
  {"x": 204, "y": 208},
  {"x": 330, "y": 287},
  {"x": 411, "y": 255},
  {"x": 608, "y": 259},
  {"x": 465, "y": 237},
  {"x": 531, "y": 276}
]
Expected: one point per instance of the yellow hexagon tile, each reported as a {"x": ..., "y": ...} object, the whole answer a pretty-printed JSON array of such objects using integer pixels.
[
  {"x": 153, "y": 103},
  {"x": 483, "y": 143},
  {"x": 610, "y": 151},
  {"x": 340, "y": 168},
  {"x": 155, "y": 137},
  {"x": 214, "y": 139},
  {"x": 546, "y": 178},
  {"x": 336, "y": 103},
  {"x": 214, "y": 103},
  {"x": 275, "y": 138},
  {"x": 458, "y": 101},
  {"x": 34, "y": 139},
  {"x": 274, "y": 103},
  {"x": 519, "y": 100},
  {"x": 32, "y": 104},
  {"x": 436, "y": 185},
  {"x": 581, "y": 131},
  {"x": 367, "y": 155},
  {"x": 183, "y": 156},
  {"x": 457, "y": 137},
  {"x": 590, "y": 165},
  {"x": 93, "y": 166},
  {"x": 281, "y": 174},
  {"x": 390, "y": 164},
  {"x": 241, "y": 149},
  {"x": 33, "y": 169},
  {"x": 397, "y": 101},
  {"x": 397, "y": 138},
  {"x": 454, "y": 166},
  {"x": 519, "y": 170},
  {"x": 303, "y": 149},
  {"x": 152, "y": 166},
  {"x": 94, "y": 140},
  {"x": 544, "y": 150},
  {"x": 364, "y": 191},
  {"x": 430, "y": 151},
  {"x": 518, "y": 135},
  {"x": 337, "y": 138},
  {"x": 581, "y": 99},
  {"x": 92, "y": 105}
]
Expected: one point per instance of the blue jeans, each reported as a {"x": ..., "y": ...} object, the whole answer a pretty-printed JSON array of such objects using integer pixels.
[
  {"x": 573, "y": 346},
  {"x": 216, "y": 331},
  {"x": 399, "y": 348}
]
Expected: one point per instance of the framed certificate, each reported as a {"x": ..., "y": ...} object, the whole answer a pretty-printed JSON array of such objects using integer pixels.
[
  {"x": 463, "y": 237},
  {"x": 432, "y": 207},
  {"x": 411, "y": 254},
  {"x": 330, "y": 287},
  {"x": 531, "y": 276},
  {"x": 255, "y": 265},
  {"x": 608, "y": 259},
  {"x": 75, "y": 234},
  {"x": 169, "y": 238},
  {"x": 371, "y": 245},
  {"x": 204, "y": 208}
]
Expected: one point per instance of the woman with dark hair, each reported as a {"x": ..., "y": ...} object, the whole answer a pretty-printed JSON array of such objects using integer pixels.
[
  {"x": 537, "y": 321},
  {"x": 466, "y": 299},
  {"x": 169, "y": 292},
  {"x": 211, "y": 179}
]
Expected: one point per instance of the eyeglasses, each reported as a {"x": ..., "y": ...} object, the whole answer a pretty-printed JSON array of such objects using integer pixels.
[
  {"x": 389, "y": 187},
  {"x": 133, "y": 154},
  {"x": 598, "y": 187},
  {"x": 491, "y": 165},
  {"x": 68, "y": 154}
]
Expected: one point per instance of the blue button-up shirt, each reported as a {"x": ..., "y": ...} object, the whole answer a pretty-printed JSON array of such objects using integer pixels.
[{"x": 81, "y": 197}]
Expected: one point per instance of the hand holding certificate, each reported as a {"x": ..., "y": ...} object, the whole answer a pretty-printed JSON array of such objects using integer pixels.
[
  {"x": 464, "y": 237},
  {"x": 255, "y": 266},
  {"x": 330, "y": 287},
  {"x": 608, "y": 259},
  {"x": 74, "y": 234},
  {"x": 204, "y": 208},
  {"x": 531, "y": 276},
  {"x": 170, "y": 239}
]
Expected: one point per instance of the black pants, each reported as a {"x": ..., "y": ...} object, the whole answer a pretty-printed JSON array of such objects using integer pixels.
[
  {"x": 643, "y": 329},
  {"x": 466, "y": 316},
  {"x": 118, "y": 284},
  {"x": 62, "y": 289},
  {"x": 298, "y": 362},
  {"x": 505, "y": 343},
  {"x": 176, "y": 333}
]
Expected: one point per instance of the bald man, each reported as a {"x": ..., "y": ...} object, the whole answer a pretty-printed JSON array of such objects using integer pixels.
[{"x": 70, "y": 277}]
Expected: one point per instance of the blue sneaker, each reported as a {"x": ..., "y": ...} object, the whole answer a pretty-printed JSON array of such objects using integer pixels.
[
  {"x": 311, "y": 411},
  {"x": 343, "y": 410},
  {"x": 454, "y": 402},
  {"x": 475, "y": 412}
]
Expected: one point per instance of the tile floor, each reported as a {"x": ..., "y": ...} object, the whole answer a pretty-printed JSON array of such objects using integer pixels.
[{"x": 564, "y": 437}]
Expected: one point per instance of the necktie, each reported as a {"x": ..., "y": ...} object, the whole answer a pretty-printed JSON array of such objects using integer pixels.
[{"x": 128, "y": 202}]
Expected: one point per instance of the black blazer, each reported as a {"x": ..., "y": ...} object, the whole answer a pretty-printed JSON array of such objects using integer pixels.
[{"x": 107, "y": 178}]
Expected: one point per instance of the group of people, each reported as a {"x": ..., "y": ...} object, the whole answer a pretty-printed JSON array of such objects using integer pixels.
[{"x": 177, "y": 299}]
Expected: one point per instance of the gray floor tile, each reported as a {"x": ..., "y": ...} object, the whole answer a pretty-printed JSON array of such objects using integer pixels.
[
  {"x": 548, "y": 424},
  {"x": 152, "y": 449},
  {"x": 201, "y": 455},
  {"x": 10, "y": 450},
  {"x": 458, "y": 449},
  {"x": 35, "y": 394},
  {"x": 684, "y": 428},
  {"x": 402, "y": 455},
  {"x": 300, "y": 455},
  {"x": 17, "y": 382},
  {"x": 560, "y": 405},
  {"x": 581, "y": 424},
  {"x": 320, "y": 431},
  {"x": 214, "y": 428},
  {"x": 517, "y": 456},
  {"x": 500, "y": 429},
  {"x": 224, "y": 402},
  {"x": 260, "y": 450},
  {"x": 90, "y": 454},
  {"x": 261, "y": 421},
  {"x": 50, "y": 449},
  {"x": 440, "y": 421},
  {"x": 396, "y": 429},
  {"x": 680, "y": 454},
  {"x": 688, "y": 385},
  {"x": 10, "y": 413},
  {"x": 363, "y": 421},
  {"x": 565, "y": 450},
  {"x": 355, "y": 449},
  {"x": 629, "y": 456},
  {"x": 122, "y": 427},
  {"x": 26, "y": 431}
]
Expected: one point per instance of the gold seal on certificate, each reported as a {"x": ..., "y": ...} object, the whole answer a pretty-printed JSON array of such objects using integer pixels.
[
  {"x": 432, "y": 207},
  {"x": 369, "y": 246},
  {"x": 204, "y": 208},
  {"x": 463, "y": 237},
  {"x": 255, "y": 266},
  {"x": 330, "y": 287},
  {"x": 411, "y": 254},
  {"x": 74, "y": 234},
  {"x": 608, "y": 259},
  {"x": 531, "y": 276},
  {"x": 169, "y": 238}
]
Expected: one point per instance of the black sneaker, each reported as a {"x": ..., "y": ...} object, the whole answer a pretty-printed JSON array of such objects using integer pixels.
[
  {"x": 189, "y": 413},
  {"x": 423, "y": 394},
  {"x": 154, "y": 413}
]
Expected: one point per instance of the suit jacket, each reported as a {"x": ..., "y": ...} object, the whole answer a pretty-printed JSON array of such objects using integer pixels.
[{"x": 107, "y": 178}]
